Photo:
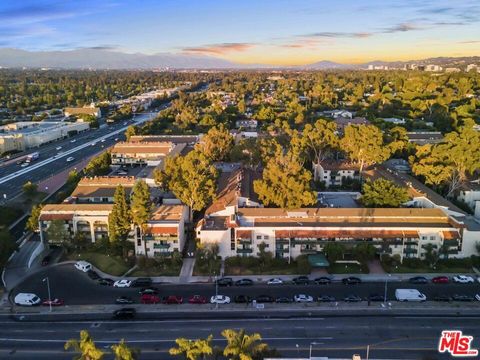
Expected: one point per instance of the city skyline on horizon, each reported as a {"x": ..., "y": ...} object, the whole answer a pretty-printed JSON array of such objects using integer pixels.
[{"x": 282, "y": 33}]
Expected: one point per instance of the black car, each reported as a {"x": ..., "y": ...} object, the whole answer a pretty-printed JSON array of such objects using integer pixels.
[
  {"x": 92, "y": 274},
  {"x": 376, "y": 297},
  {"x": 323, "y": 280},
  {"x": 301, "y": 280},
  {"x": 142, "y": 282},
  {"x": 325, "y": 298},
  {"x": 150, "y": 290},
  {"x": 106, "y": 282},
  {"x": 352, "y": 298},
  {"x": 418, "y": 280},
  {"x": 46, "y": 260},
  {"x": 125, "y": 313},
  {"x": 225, "y": 282},
  {"x": 242, "y": 299},
  {"x": 124, "y": 300},
  {"x": 265, "y": 299},
  {"x": 351, "y": 280},
  {"x": 283, "y": 300},
  {"x": 244, "y": 282},
  {"x": 458, "y": 297},
  {"x": 445, "y": 298}
]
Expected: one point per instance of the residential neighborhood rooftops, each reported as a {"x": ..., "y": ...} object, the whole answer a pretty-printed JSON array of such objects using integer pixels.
[
  {"x": 168, "y": 213},
  {"x": 176, "y": 139},
  {"x": 102, "y": 186},
  {"x": 158, "y": 147}
]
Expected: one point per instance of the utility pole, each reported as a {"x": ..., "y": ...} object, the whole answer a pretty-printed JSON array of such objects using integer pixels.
[{"x": 49, "y": 295}]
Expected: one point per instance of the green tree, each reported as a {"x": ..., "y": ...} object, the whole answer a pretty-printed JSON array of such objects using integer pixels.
[
  {"x": 119, "y": 219},
  {"x": 319, "y": 139},
  {"x": 217, "y": 143},
  {"x": 383, "y": 193},
  {"x": 56, "y": 232},
  {"x": 99, "y": 165},
  {"x": 7, "y": 246},
  {"x": 73, "y": 177},
  {"x": 85, "y": 346},
  {"x": 122, "y": 351},
  {"x": 141, "y": 208},
  {"x": 192, "y": 349},
  {"x": 32, "y": 222},
  {"x": 334, "y": 251},
  {"x": 431, "y": 255},
  {"x": 191, "y": 178},
  {"x": 30, "y": 189},
  {"x": 242, "y": 346},
  {"x": 364, "y": 145},
  {"x": 364, "y": 252},
  {"x": 285, "y": 183},
  {"x": 131, "y": 131}
]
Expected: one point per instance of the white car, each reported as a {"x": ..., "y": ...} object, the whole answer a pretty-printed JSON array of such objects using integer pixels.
[
  {"x": 124, "y": 283},
  {"x": 477, "y": 297},
  {"x": 27, "y": 299},
  {"x": 74, "y": 140},
  {"x": 219, "y": 299},
  {"x": 463, "y": 279},
  {"x": 275, "y": 281},
  {"x": 58, "y": 148},
  {"x": 302, "y": 298},
  {"x": 71, "y": 158},
  {"x": 25, "y": 164},
  {"x": 83, "y": 265},
  {"x": 103, "y": 140}
]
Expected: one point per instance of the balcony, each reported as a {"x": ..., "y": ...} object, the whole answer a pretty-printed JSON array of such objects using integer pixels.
[
  {"x": 161, "y": 246},
  {"x": 244, "y": 251},
  {"x": 281, "y": 250},
  {"x": 411, "y": 243},
  {"x": 450, "y": 243},
  {"x": 244, "y": 241},
  {"x": 308, "y": 251},
  {"x": 160, "y": 238},
  {"x": 409, "y": 251}
]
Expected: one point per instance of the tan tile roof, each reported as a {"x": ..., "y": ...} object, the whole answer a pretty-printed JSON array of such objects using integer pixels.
[
  {"x": 168, "y": 213},
  {"x": 339, "y": 165},
  {"x": 162, "y": 230},
  {"x": 385, "y": 234},
  {"x": 76, "y": 207},
  {"x": 103, "y": 186},
  {"x": 160, "y": 148},
  {"x": 82, "y": 110}
]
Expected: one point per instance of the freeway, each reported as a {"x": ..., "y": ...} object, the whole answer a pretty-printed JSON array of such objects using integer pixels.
[
  {"x": 76, "y": 288},
  {"x": 404, "y": 338},
  {"x": 51, "y": 161}
]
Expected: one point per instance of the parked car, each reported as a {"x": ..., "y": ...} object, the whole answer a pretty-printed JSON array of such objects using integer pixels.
[
  {"x": 26, "y": 299},
  {"x": 123, "y": 300},
  {"x": 275, "y": 281},
  {"x": 244, "y": 282},
  {"x": 442, "y": 297},
  {"x": 53, "y": 302},
  {"x": 325, "y": 298},
  {"x": 106, "y": 282},
  {"x": 459, "y": 297},
  {"x": 440, "y": 280},
  {"x": 149, "y": 290},
  {"x": 352, "y": 298},
  {"x": 83, "y": 265},
  {"x": 123, "y": 283},
  {"x": 264, "y": 299},
  {"x": 301, "y": 280},
  {"x": 283, "y": 300},
  {"x": 172, "y": 299},
  {"x": 418, "y": 280},
  {"x": 477, "y": 297},
  {"x": 124, "y": 314},
  {"x": 376, "y": 297},
  {"x": 220, "y": 299},
  {"x": 225, "y": 281},
  {"x": 351, "y": 280},
  {"x": 46, "y": 260},
  {"x": 58, "y": 148},
  {"x": 142, "y": 282},
  {"x": 197, "y": 299},
  {"x": 92, "y": 274},
  {"x": 302, "y": 298},
  {"x": 323, "y": 280},
  {"x": 242, "y": 299},
  {"x": 463, "y": 279},
  {"x": 149, "y": 299},
  {"x": 70, "y": 159}
]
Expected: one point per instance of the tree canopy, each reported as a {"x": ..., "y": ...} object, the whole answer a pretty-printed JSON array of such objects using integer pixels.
[
  {"x": 217, "y": 143},
  {"x": 119, "y": 219},
  {"x": 383, "y": 193}
]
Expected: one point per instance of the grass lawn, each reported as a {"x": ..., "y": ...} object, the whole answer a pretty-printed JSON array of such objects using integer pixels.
[
  {"x": 346, "y": 269},
  {"x": 425, "y": 269},
  {"x": 165, "y": 270},
  {"x": 251, "y": 266},
  {"x": 201, "y": 269},
  {"x": 442, "y": 266},
  {"x": 113, "y": 265}
]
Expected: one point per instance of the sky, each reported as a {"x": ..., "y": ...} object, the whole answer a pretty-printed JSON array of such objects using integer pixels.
[{"x": 277, "y": 32}]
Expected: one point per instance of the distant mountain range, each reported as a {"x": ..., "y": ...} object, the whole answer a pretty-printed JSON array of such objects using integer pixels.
[{"x": 107, "y": 59}]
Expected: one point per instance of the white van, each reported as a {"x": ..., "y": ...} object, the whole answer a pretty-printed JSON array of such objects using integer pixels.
[
  {"x": 83, "y": 265},
  {"x": 409, "y": 295},
  {"x": 27, "y": 299}
]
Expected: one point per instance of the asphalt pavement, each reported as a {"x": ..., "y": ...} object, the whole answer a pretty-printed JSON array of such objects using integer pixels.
[{"x": 404, "y": 338}]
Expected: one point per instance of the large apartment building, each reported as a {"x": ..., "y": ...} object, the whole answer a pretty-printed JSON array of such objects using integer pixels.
[
  {"x": 144, "y": 153},
  {"x": 101, "y": 189}
]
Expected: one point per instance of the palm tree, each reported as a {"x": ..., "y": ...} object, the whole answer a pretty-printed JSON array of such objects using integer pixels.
[
  {"x": 241, "y": 346},
  {"x": 123, "y": 352},
  {"x": 85, "y": 346},
  {"x": 193, "y": 349}
]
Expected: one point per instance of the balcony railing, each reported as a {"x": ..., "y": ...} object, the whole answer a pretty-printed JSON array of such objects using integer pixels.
[
  {"x": 244, "y": 251},
  {"x": 308, "y": 251},
  {"x": 161, "y": 246}
]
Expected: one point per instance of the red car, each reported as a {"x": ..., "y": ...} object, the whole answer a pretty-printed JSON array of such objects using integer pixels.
[
  {"x": 53, "y": 302},
  {"x": 197, "y": 299},
  {"x": 172, "y": 299},
  {"x": 440, "y": 280},
  {"x": 149, "y": 299}
]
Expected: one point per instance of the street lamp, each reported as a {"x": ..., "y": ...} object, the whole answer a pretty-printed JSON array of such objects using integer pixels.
[
  {"x": 216, "y": 291},
  {"x": 311, "y": 345},
  {"x": 386, "y": 286},
  {"x": 49, "y": 296}
]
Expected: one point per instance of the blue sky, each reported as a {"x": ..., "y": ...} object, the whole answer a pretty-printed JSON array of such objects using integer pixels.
[{"x": 249, "y": 31}]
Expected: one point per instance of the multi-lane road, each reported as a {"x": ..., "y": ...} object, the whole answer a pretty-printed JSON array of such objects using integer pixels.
[{"x": 404, "y": 338}]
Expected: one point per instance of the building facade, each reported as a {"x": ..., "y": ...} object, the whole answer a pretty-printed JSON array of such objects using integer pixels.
[
  {"x": 101, "y": 189},
  {"x": 144, "y": 153},
  {"x": 334, "y": 173}
]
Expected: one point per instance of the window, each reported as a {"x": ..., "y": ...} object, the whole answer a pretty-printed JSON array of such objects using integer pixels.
[
  {"x": 424, "y": 237},
  {"x": 433, "y": 237},
  {"x": 259, "y": 237},
  {"x": 265, "y": 237}
]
